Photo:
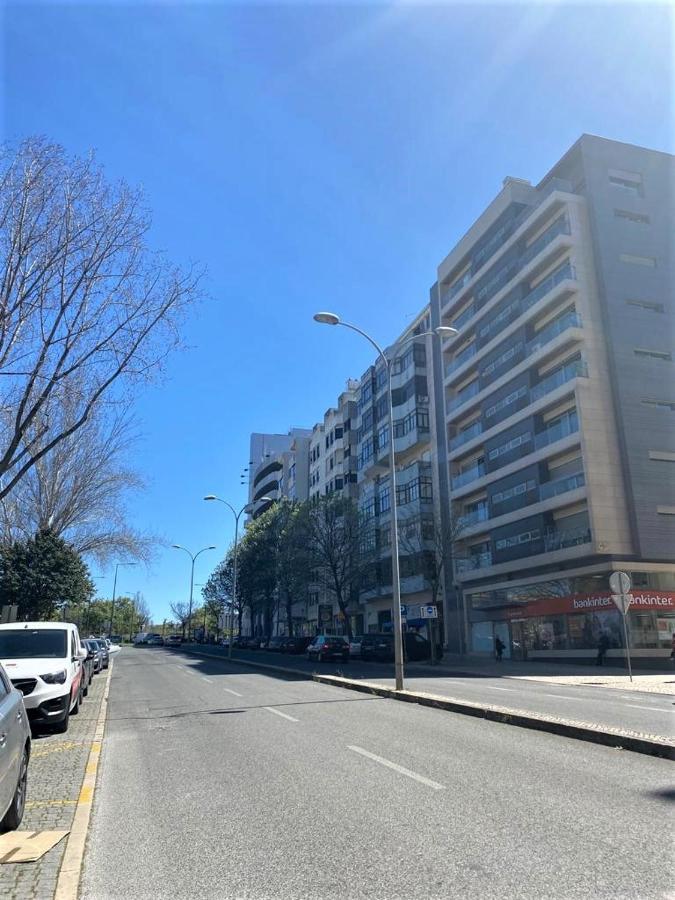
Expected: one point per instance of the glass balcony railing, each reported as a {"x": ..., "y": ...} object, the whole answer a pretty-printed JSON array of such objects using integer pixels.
[
  {"x": 558, "y": 540},
  {"x": 467, "y": 435},
  {"x": 456, "y": 288},
  {"x": 461, "y": 398},
  {"x": 562, "y": 274},
  {"x": 475, "y": 561},
  {"x": 482, "y": 514},
  {"x": 468, "y": 476},
  {"x": 552, "y": 330},
  {"x": 561, "y": 429},
  {"x": 461, "y": 358},
  {"x": 561, "y": 486},
  {"x": 460, "y": 321},
  {"x": 560, "y": 226},
  {"x": 572, "y": 370}
]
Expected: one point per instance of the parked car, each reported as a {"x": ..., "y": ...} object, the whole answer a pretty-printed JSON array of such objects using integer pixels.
[
  {"x": 88, "y": 670},
  {"x": 155, "y": 640},
  {"x": 15, "y": 755},
  {"x": 173, "y": 640},
  {"x": 355, "y": 645},
  {"x": 44, "y": 661},
  {"x": 102, "y": 646},
  {"x": 276, "y": 643},
  {"x": 297, "y": 644},
  {"x": 95, "y": 650},
  {"x": 328, "y": 646},
  {"x": 141, "y": 638},
  {"x": 116, "y": 639},
  {"x": 254, "y": 643},
  {"x": 380, "y": 646}
]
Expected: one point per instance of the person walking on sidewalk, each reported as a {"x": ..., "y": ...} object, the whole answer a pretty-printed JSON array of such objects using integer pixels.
[
  {"x": 500, "y": 646},
  {"x": 603, "y": 647}
]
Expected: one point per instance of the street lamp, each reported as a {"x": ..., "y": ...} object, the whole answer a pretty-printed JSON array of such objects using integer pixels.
[
  {"x": 112, "y": 605},
  {"x": 193, "y": 557},
  {"x": 442, "y": 331},
  {"x": 237, "y": 516}
]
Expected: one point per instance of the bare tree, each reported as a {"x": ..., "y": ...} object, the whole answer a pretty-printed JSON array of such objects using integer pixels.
[
  {"x": 182, "y": 613},
  {"x": 78, "y": 490},
  {"x": 84, "y": 305}
]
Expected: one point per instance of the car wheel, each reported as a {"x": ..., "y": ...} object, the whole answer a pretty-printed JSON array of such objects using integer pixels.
[
  {"x": 75, "y": 710},
  {"x": 14, "y": 814},
  {"x": 62, "y": 726},
  {"x": 86, "y": 690}
]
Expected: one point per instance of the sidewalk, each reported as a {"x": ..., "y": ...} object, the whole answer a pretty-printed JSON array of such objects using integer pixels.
[{"x": 555, "y": 673}]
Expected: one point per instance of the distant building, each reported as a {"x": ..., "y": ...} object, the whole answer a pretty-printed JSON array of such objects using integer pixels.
[{"x": 278, "y": 467}]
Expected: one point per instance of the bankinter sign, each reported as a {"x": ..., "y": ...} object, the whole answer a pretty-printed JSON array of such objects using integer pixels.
[{"x": 546, "y": 606}]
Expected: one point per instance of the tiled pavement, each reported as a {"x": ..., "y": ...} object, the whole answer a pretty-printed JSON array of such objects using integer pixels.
[{"x": 55, "y": 777}]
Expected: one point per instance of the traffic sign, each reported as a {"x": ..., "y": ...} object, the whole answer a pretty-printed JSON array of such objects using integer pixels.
[
  {"x": 429, "y": 612},
  {"x": 619, "y": 582},
  {"x": 404, "y": 609},
  {"x": 623, "y": 602}
]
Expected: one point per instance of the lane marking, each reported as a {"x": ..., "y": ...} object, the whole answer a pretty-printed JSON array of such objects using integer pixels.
[
  {"x": 234, "y": 693},
  {"x": 208, "y": 680},
  {"x": 649, "y": 708},
  {"x": 562, "y": 696},
  {"x": 395, "y": 766},
  {"x": 188, "y": 669},
  {"x": 494, "y": 688},
  {"x": 277, "y": 712}
]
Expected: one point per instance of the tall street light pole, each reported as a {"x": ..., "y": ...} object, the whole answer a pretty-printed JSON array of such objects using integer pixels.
[
  {"x": 237, "y": 516},
  {"x": 328, "y": 318},
  {"x": 193, "y": 558},
  {"x": 112, "y": 605}
]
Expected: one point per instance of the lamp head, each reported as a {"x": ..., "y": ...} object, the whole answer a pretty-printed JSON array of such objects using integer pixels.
[
  {"x": 265, "y": 500},
  {"x": 210, "y": 497},
  {"x": 327, "y": 318},
  {"x": 446, "y": 331}
]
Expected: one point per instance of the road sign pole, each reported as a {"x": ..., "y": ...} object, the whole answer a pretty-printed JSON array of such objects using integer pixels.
[{"x": 625, "y": 637}]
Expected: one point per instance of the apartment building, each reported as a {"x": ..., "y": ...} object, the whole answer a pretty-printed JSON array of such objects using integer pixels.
[
  {"x": 278, "y": 467},
  {"x": 416, "y": 476},
  {"x": 558, "y": 399}
]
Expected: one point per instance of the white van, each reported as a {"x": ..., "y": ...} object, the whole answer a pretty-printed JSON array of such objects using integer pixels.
[{"x": 44, "y": 660}]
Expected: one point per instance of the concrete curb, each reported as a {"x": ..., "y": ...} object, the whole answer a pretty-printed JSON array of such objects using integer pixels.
[
  {"x": 583, "y": 731},
  {"x": 68, "y": 883}
]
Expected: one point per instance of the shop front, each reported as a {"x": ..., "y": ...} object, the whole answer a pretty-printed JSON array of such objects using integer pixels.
[{"x": 566, "y": 620}]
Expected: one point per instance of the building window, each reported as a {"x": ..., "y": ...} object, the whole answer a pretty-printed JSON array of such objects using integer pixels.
[
  {"x": 647, "y": 304},
  {"x": 507, "y": 401},
  {"x": 521, "y": 488},
  {"x": 338, "y": 432},
  {"x": 523, "y": 438},
  {"x": 666, "y": 510},
  {"x": 639, "y": 218},
  {"x": 661, "y": 404},
  {"x": 525, "y": 537},
  {"x": 662, "y": 455},
  {"x": 630, "y": 181},
  {"x": 501, "y": 359},
  {"x": 654, "y": 354},
  {"x": 649, "y": 261}
]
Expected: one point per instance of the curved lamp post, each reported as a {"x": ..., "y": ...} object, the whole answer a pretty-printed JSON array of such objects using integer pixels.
[
  {"x": 329, "y": 318},
  {"x": 193, "y": 557},
  {"x": 237, "y": 516},
  {"x": 112, "y": 605}
]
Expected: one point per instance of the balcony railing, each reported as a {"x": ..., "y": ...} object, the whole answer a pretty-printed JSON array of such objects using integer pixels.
[
  {"x": 482, "y": 514},
  {"x": 466, "y": 314},
  {"x": 565, "y": 272},
  {"x": 560, "y": 226},
  {"x": 558, "y": 540},
  {"x": 561, "y": 429},
  {"x": 468, "y": 434},
  {"x": 461, "y": 398},
  {"x": 467, "y": 477},
  {"x": 561, "y": 486},
  {"x": 476, "y": 561},
  {"x": 461, "y": 358},
  {"x": 551, "y": 331},
  {"x": 567, "y": 373}
]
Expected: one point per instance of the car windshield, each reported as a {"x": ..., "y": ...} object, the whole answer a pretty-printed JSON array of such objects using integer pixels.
[{"x": 40, "y": 643}]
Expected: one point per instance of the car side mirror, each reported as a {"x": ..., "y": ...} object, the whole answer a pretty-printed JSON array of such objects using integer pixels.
[
  {"x": 90, "y": 654},
  {"x": 81, "y": 656}
]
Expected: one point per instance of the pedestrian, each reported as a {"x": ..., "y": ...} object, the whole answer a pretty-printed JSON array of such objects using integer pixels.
[
  {"x": 500, "y": 646},
  {"x": 603, "y": 647}
]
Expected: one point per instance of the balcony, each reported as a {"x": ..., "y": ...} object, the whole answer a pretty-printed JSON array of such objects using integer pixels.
[
  {"x": 461, "y": 398},
  {"x": 562, "y": 428},
  {"x": 467, "y": 435},
  {"x": 561, "y": 486},
  {"x": 468, "y": 476},
  {"x": 461, "y": 358},
  {"x": 460, "y": 321},
  {"x": 456, "y": 288},
  {"x": 558, "y": 540},
  {"x": 476, "y": 561},
  {"x": 552, "y": 330},
  {"x": 560, "y": 226},
  {"x": 482, "y": 514},
  {"x": 575, "y": 369}
]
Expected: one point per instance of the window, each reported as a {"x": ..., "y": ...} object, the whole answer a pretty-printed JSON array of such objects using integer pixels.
[
  {"x": 634, "y": 260},
  {"x": 507, "y": 401},
  {"x": 339, "y": 483},
  {"x": 654, "y": 354},
  {"x": 662, "y": 404},
  {"x": 662, "y": 455},
  {"x": 521, "y": 488},
  {"x": 525, "y": 537},
  {"x": 385, "y": 499},
  {"x": 501, "y": 359},
  {"x": 630, "y": 181},
  {"x": 523, "y": 438},
  {"x": 338, "y": 432},
  {"x": 631, "y": 216},
  {"x": 666, "y": 510},
  {"x": 647, "y": 304}
]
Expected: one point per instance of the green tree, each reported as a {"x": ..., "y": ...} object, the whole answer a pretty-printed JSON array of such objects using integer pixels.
[{"x": 43, "y": 576}]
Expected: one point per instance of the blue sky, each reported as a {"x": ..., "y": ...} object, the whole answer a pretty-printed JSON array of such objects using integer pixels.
[{"x": 313, "y": 156}]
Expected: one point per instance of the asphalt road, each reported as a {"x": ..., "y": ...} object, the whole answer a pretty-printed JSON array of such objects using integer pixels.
[
  {"x": 652, "y": 714},
  {"x": 222, "y": 782}
]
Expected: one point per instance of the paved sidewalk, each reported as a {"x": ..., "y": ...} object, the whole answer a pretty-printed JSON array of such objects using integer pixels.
[
  {"x": 559, "y": 673},
  {"x": 55, "y": 775}
]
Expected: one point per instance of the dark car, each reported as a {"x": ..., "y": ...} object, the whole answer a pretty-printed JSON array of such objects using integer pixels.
[
  {"x": 276, "y": 643},
  {"x": 328, "y": 646},
  {"x": 253, "y": 643},
  {"x": 103, "y": 647},
  {"x": 97, "y": 657},
  {"x": 173, "y": 640},
  {"x": 87, "y": 670},
  {"x": 380, "y": 646},
  {"x": 116, "y": 639},
  {"x": 297, "y": 644}
]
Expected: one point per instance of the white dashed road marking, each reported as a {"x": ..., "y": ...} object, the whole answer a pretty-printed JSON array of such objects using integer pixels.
[
  {"x": 230, "y": 691},
  {"x": 277, "y": 712},
  {"x": 400, "y": 769}
]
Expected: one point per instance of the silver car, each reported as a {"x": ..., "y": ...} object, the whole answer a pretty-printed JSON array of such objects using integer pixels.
[{"x": 14, "y": 754}]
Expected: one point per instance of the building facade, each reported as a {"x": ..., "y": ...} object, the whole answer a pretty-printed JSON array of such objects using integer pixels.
[
  {"x": 559, "y": 402},
  {"x": 278, "y": 468}
]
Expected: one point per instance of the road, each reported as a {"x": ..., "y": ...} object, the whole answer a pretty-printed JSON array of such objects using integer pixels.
[
  {"x": 632, "y": 710},
  {"x": 223, "y": 782}
]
